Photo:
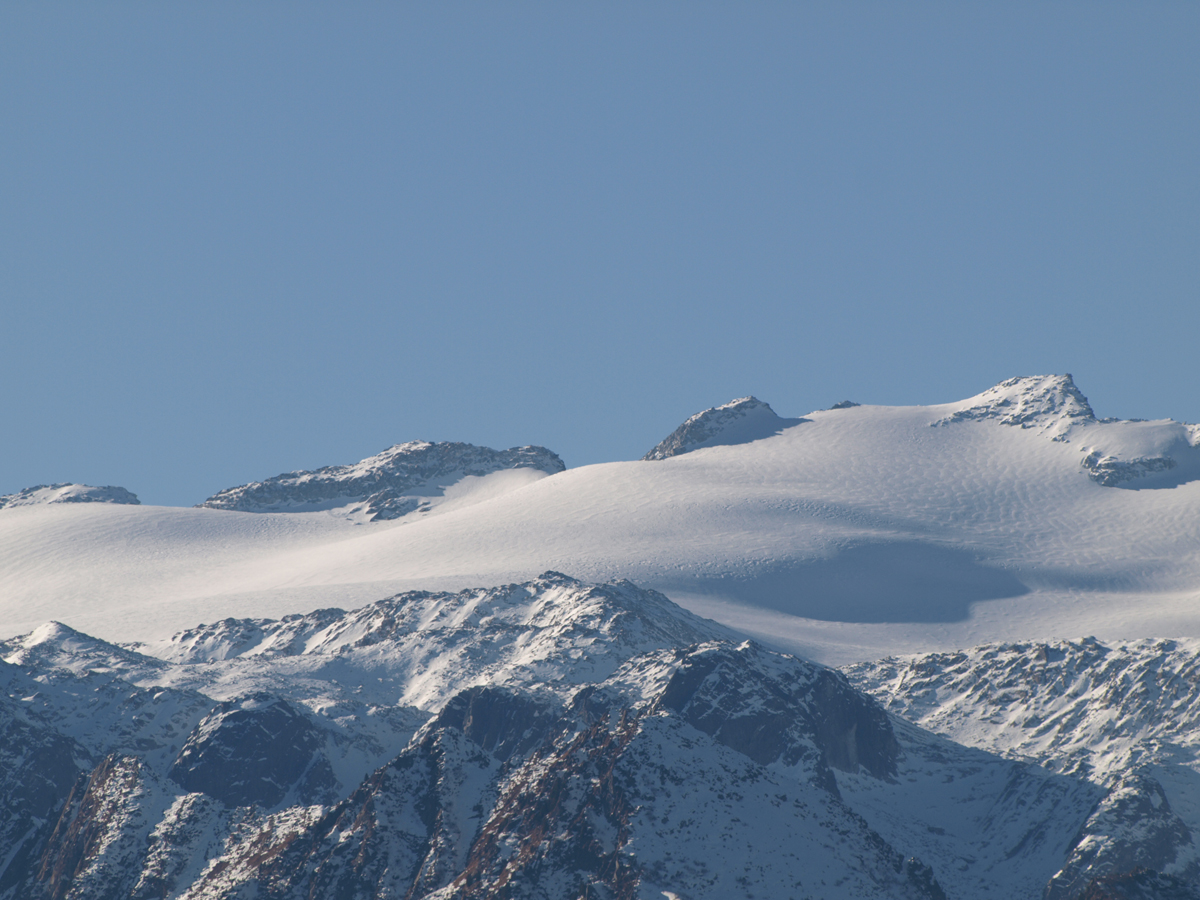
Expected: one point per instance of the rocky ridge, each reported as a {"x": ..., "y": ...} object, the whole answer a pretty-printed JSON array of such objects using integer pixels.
[
  {"x": 1052, "y": 404},
  {"x": 1124, "y": 717},
  {"x": 388, "y": 485},
  {"x": 545, "y": 739},
  {"x": 44, "y": 494},
  {"x": 736, "y": 422}
]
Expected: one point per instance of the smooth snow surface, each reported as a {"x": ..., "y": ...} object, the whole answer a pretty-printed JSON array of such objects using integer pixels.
[{"x": 852, "y": 534}]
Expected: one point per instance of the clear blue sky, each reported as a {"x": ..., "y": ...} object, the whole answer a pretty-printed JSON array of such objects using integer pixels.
[{"x": 242, "y": 238}]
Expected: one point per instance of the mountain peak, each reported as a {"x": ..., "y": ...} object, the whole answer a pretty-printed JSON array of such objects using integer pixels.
[
  {"x": 390, "y": 484},
  {"x": 65, "y": 492},
  {"x": 736, "y": 422},
  {"x": 1050, "y": 403},
  {"x": 56, "y": 645}
]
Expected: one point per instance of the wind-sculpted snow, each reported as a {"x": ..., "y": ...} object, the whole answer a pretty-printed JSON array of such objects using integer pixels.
[
  {"x": 736, "y": 422},
  {"x": 861, "y": 532},
  {"x": 389, "y": 485},
  {"x": 45, "y": 494},
  {"x": 553, "y": 737}
]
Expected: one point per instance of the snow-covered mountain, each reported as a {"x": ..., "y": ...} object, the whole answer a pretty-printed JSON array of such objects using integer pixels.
[
  {"x": 854, "y": 533},
  {"x": 358, "y": 718},
  {"x": 1125, "y": 717},
  {"x": 547, "y": 739}
]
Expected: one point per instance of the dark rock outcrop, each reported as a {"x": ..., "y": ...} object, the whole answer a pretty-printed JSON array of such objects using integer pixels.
[{"x": 253, "y": 751}]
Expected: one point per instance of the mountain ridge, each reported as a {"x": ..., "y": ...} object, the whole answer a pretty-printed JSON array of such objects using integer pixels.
[
  {"x": 67, "y": 492},
  {"x": 681, "y": 768},
  {"x": 389, "y": 485}
]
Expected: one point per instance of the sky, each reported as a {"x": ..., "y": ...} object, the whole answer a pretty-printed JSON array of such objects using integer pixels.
[{"x": 238, "y": 239}]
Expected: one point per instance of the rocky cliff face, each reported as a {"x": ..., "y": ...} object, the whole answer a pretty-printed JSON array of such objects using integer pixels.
[
  {"x": 1051, "y": 404},
  {"x": 505, "y": 793},
  {"x": 1130, "y": 453}
]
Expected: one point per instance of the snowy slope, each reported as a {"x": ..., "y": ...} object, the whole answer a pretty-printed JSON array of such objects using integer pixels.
[{"x": 854, "y": 533}]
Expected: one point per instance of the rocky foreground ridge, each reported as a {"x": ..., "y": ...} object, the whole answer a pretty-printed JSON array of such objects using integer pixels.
[
  {"x": 548, "y": 739},
  {"x": 1124, "y": 717}
]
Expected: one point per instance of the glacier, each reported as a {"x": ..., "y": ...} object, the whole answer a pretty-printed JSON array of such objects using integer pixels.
[{"x": 932, "y": 652}]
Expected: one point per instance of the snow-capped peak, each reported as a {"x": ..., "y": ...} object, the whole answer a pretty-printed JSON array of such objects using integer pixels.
[
  {"x": 43, "y": 494},
  {"x": 390, "y": 484},
  {"x": 54, "y": 645},
  {"x": 1050, "y": 403},
  {"x": 736, "y": 422},
  {"x": 555, "y": 627}
]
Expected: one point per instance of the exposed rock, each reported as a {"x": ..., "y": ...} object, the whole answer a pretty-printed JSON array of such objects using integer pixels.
[
  {"x": 1140, "y": 885},
  {"x": 736, "y": 422},
  {"x": 99, "y": 842},
  {"x": 1110, "y": 471},
  {"x": 559, "y": 739},
  {"x": 38, "y": 768},
  {"x": 503, "y": 796},
  {"x": 433, "y": 645},
  {"x": 1133, "y": 829},
  {"x": 254, "y": 751},
  {"x": 391, "y": 484},
  {"x": 791, "y": 714},
  {"x": 45, "y": 494},
  {"x": 1049, "y": 403}
]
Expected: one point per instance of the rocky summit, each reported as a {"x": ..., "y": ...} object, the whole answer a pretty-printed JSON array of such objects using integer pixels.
[
  {"x": 44, "y": 494},
  {"x": 389, "y": 485}
]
